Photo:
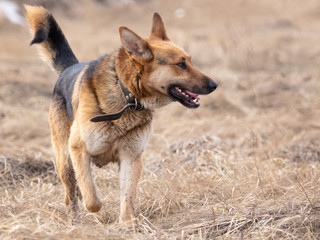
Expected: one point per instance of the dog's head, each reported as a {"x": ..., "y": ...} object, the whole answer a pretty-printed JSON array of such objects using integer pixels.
[{"x": 167, "y": 69}]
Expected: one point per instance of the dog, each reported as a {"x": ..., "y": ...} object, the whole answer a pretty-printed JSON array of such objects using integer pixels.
[{"x": 101, "y": 111}]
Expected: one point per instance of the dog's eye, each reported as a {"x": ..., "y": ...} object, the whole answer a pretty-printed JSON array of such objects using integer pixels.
[{"x": 182, "y": 65}]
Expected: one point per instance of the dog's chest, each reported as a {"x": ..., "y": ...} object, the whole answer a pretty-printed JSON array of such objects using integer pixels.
[
  {"x": 111, "y": 137},
  {"x": 103, "y": 150}
]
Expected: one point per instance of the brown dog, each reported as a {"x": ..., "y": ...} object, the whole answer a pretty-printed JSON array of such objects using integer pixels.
[{"x": 101, "y": 111}]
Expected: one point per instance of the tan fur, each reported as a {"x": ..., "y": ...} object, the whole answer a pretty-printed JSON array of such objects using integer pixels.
[
  {"x": 76, "y": 88},
  {"x": 39, "y": 16},
  {"x": 147, "y": 67},
  {"x": 36, "y": 15}
]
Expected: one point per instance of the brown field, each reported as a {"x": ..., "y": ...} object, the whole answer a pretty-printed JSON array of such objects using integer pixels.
[{"x": 245, "y": 165}]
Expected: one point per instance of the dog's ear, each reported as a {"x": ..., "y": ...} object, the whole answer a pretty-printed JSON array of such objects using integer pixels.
[
  {"x": 158, "y": 30},
  {"x": 134, "y": 44}
]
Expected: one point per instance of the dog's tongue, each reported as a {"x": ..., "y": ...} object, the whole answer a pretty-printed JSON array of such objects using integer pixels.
[{"x": 192, "y": 94}]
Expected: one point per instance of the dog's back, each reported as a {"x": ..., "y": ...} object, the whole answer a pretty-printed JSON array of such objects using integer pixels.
[{"x": 64, "y": 87}]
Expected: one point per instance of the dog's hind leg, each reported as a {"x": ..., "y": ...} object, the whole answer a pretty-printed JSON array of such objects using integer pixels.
[{"x": 60, "y": 131}]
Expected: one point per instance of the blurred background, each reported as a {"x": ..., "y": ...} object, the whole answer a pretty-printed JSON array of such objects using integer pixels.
[{"x": 264, "y": 54}]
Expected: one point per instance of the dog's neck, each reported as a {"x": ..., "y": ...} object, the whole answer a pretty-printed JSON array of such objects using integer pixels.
[
  {"x": 131, "y": 103},
  {"x": 130, "y": 72},
  {"x": 131, "y": 100}
]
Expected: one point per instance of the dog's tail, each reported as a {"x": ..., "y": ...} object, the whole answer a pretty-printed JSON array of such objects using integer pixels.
[{"x": 47, "y": 33}]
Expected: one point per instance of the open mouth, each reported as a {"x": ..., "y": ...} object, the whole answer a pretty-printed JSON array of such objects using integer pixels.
[{"x": 185, "y": 97}]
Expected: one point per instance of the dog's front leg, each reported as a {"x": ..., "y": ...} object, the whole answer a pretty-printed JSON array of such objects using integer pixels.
[
  {"x": 81, "y": 165},
  {"x": 130, "y": 171}
]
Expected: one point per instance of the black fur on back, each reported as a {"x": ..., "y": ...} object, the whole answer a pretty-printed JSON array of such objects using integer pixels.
[{"x": 63, "y": 89}]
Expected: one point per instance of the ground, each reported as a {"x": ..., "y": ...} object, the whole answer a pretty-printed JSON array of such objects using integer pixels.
[{"x": 245, "y": 165}]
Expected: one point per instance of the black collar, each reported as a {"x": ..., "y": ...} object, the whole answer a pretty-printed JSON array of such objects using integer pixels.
[{"x": 132, "y": 104}]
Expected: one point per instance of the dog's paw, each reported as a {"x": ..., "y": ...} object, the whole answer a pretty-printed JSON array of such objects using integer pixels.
[{"x": 94, "y": 205}]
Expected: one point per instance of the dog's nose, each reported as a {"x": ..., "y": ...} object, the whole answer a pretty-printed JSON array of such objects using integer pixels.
[{"x": 211, "y": 85}]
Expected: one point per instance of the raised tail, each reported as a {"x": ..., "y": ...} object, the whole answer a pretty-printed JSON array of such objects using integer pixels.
[{"x": 47, "y": 33}]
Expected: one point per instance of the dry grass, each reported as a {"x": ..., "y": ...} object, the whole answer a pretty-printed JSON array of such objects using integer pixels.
[{"x": 245, "y": 165}]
